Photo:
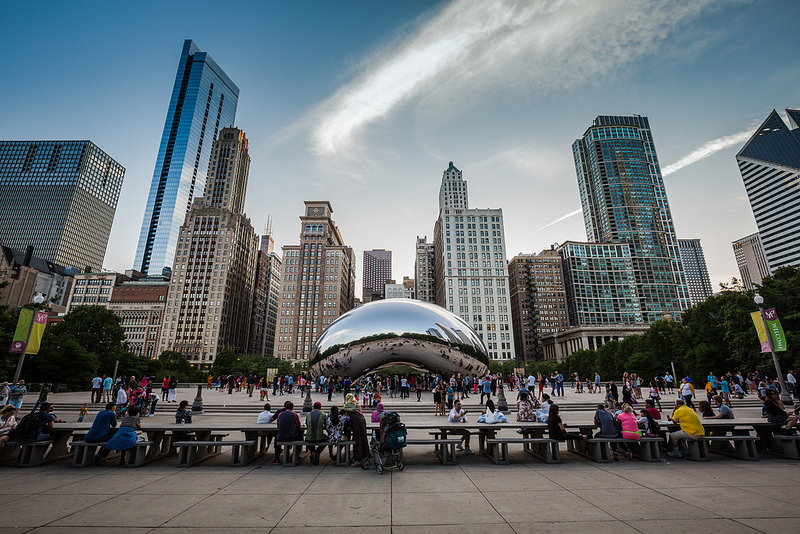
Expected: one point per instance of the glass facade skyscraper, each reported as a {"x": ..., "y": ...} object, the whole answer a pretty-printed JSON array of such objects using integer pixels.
[
  {"x": 60, "y": 197},
  {"x": 770, "y": 166},
  {"x": 203, "y": 100},
  {"x": 624, "y": 201},
  {"x": 694, "y": 265}
]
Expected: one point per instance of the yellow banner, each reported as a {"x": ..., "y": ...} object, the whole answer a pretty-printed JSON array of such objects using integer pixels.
[
  {"x": 762, "y": 332},
  {"x": 39, "y": 324}
]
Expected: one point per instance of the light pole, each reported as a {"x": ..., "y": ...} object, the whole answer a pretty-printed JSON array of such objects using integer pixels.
[
  {"x": 786, "y": 397},
  {"x": 37, "y": 300}
]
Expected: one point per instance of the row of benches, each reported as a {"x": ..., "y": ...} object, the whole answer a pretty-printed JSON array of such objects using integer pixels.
[{"x": 243, "y": 452}]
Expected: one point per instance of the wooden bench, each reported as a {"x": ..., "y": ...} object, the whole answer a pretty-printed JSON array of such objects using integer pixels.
[
  {"x": 545, "y": 449},
  {"x": 790, "y": 445},
  {"x": 290, "y": 452},
  {"x": 648, "y": 448},
  {"x": 343, "y": 454},
  {"x": 444, "y": 449},
  {"x": 191, "y": 452},
  {"x": 32, "y": 453},
  {"x": 744, "y": 447}
]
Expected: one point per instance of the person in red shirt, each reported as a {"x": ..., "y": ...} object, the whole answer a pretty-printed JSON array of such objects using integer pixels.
[{"x": 648, "y": 404}]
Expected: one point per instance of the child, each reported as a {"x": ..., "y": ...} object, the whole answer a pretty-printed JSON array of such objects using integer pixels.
[{"x": 82, "y": 413}]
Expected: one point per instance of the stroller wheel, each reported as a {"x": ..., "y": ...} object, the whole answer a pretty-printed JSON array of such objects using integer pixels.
[
  {"x": 379, "y": 469},
  {"x": 365, "y": 463},
  {"x": 400, "y": 465}
]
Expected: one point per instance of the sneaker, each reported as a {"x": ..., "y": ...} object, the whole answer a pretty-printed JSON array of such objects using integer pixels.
[
  {"x": 674, "y": 454},
  {"x": 469, "y": 451},
  {"x": 459, "y": 447},
  {"x": 276, "y": 462}
]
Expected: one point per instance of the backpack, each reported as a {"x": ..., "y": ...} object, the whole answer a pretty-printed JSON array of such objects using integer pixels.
[
  {"x": 28, "y": 428},
  {"x": 394, "y": 430}
]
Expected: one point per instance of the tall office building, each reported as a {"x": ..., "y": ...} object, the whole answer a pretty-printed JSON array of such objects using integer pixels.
[
  {"x": 471, "y": 279},
  {"x": 140, "y": 307},
  {"x": 538, "y": 300},
  {"x": 601, "y": 285},
  {"x": 203, "y": 100},
  {"x": 319, "y": 278},
  {"x": 624, "y": 201},
  {"x": 213, "y": 280},
  {"x": 377, "y": 271},
  {"x": 265, "y": 298},
  {"x": 752, "y": 262},
  {"x": 694, "y": 265},
  {"x": 425, "y": 271},
  {"x": 60, "y": 197},
  {"x": 770, "y": 166}
]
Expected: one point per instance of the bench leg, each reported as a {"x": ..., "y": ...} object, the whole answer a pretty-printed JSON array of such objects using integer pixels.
[
  {"x": 452, "y": 456},
  {"x": 745, "y": 450},
  {"x": 698, "y": 449},
  {"x": 790, "y": 448}
]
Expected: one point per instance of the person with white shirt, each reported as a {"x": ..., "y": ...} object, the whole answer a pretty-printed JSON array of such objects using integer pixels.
[
  {"x": 122, "y": 397},
  {"x": 457, "y": 415},
  {"x": 97, "y": 382},
  {"x": 531, "y": 381},
  {"x": 265, "y": 416}
]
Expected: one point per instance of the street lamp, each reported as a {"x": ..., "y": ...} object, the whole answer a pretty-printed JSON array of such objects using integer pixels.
[
  {"x": 37, "y": 300},
  {"x": 786, "y": 397}
]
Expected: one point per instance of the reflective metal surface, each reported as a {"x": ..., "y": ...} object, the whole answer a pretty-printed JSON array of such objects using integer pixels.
[{"x": 398, "y": 331}]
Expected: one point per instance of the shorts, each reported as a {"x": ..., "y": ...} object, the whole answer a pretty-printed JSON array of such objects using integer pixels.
[
  {"x": 460, "y": 389},
  {"x": 682, "y": 434},
  {"x": 726, "y": 395}
]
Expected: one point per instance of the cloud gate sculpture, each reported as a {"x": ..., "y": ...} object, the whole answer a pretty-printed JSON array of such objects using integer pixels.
[{"x": 398, "y": 331}]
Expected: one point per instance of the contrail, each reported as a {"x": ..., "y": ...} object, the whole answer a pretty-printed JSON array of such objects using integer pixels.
[
  {"x": 712, "y": 147},
  {"x": 563, "y": 217}
]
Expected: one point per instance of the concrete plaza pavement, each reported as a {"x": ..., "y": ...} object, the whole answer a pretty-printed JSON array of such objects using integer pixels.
[{"x": 725, "y": 495}]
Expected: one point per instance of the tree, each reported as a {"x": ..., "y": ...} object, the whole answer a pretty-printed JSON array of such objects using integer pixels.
[
  {"x": 98, "y": 331},
  {"x": 62, "y": 359}
]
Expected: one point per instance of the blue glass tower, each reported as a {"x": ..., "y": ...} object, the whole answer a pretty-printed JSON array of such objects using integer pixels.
[
  {"x": 203, "y": 100},
  {"x": 624, "y": 201}
]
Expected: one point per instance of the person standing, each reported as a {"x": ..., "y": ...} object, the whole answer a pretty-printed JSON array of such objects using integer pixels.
[
  {"x": 44, "y": 390},
  {"x": 173, "y": 388},
  {"x": 16, "y": 394},
  {"x": 106, "y": 393},
  {"x": 559, "y": 384},
  {"x": 97, "y": 383},
  {"x": 669, "y": 381},
  {"x": 687, "y": 392},
  {"x": 4, "y": 389}
]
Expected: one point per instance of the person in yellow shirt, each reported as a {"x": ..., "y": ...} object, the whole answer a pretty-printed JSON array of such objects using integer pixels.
[{"x": 691, "y": 427}]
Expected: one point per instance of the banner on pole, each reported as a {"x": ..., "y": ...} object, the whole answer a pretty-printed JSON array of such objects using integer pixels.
[
  {"x": 762, "y": 332},
  {"x": 775, "y": 330},
  {"x": 776, "y": 333},
  {"x": 21, "y": 333}
]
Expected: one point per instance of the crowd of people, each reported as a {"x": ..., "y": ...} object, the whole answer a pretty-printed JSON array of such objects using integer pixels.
[{"x": 128, "y": 399}]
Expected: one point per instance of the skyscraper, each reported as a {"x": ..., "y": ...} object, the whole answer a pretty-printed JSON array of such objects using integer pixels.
[
  {"x": 471, "y": 277},
  {"x": 624, "y": 201},
  {"x": 770, "y": 166},
  {"x": 694, "y": 265},
  {"x": 538, "y": 300},
  {"x": 377, "y": 270},
  {"x": 60, "y": 197},
  {"x": 425, "y": 271},
  {"x": 265, "y": 298},
  {"x": 601, "y": 284},
  {"x": 213, "y": 280},
  {"x": 203, "y": 100},
  {"x": 752, "y": 262},
  {"x": 319, "y": 278}
]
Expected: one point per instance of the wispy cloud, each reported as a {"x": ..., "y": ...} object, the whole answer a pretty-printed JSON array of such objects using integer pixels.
[
  {"x": 708, "y": 149},
  {"x": 484, "y": 46},
  {"x": 562, "y": 218}
]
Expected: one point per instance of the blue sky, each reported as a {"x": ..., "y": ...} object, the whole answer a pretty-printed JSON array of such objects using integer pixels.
[{"x": 364, "y": 103}]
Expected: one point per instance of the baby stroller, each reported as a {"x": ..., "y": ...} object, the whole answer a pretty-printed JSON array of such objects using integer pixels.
[{"x": 387, "y": 444}]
